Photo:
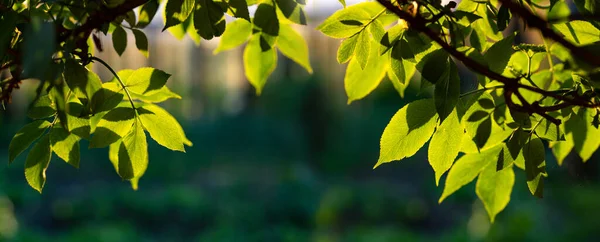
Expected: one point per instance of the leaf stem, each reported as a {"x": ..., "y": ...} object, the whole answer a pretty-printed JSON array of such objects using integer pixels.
[{"x": 93, "y": 58}]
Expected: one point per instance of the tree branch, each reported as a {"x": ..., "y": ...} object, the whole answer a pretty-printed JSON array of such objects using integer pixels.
[
  {"x": 511, "y": 85},
  {"x": 536, "y": 22}
]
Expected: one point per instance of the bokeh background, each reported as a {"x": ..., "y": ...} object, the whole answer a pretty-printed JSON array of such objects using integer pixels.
[{"x": 294, "y": 164}]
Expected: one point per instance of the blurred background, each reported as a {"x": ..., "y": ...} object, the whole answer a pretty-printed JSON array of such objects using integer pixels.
[{"x": 294, "y": 164}]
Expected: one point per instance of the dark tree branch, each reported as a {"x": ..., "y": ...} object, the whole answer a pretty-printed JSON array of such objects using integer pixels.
[
  {"x": 96, "y": 20},
  {"x": 536, "y": 22},
  {"x": 511, "y": 85}
]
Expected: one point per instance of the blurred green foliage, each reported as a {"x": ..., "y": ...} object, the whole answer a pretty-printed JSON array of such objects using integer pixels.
[{"x": 293, "y": 165}]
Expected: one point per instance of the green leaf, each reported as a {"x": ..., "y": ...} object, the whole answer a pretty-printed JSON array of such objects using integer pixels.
[
  {"x": 119, "y": 39},
  {"x": 133, "y": 153},
  {"x": 293, "y": 45},
  {"x": 399, "y": 86},
  {"x": 146, "y": 13},
  {"x": 578, "y": 129},
  {"x": 81, "y": 81},
  {"x": 479, "y": 126},
  {"x": 579, "y": 32},
  {"x": 292, "y": 11},
  {"x": 346, "y": 49},
  {"x": 549, "y": 131},
  {"x": 158, "y": 96},
  {"x": 503, "y": 19},
  {"x": 363, "y": 49},
  {"x": 43, "y": 107},
  {"x": 494, "y": 188},
  {"x": 447, "y": 91},
  {"x": 258, "y": 64},
  {"x": 377, "y": 30},
  {"x": 433, "y": 65},
  {"x": 25, "y": 137},
  {"x": 560, "y": 10},
  {"x": 466, "y": 168},
  {"x": 177, "y": 11},
  {"x": 162, "y": 127},
  {"x": 400, "y": 61},
  {"x": 141, "y": 41},
  {"x": 360, "y": 82},
  {"x": 65, "y": 145},
  {"x": 445, "y": 144},
  {"x": 535, "y": 166},
  {"x": 239, "y": 9},
  {"x": 561, "y": 150},
  {"x": 265, "y": 19},
  {"x": 107, "y": 98},
  {"x": 410, "y": 128},
  {"x": 236, "y": 33},
  {"x": 37, "y": 162},
  {"x": 389, "y": 39},
  {"x": 146, "y": 80},
  {"x": 499, "y": 54},
  {"x": 209, "y": 19},
  {"x": 345, "y": 23},
  {"x": 113, "y": 126}
]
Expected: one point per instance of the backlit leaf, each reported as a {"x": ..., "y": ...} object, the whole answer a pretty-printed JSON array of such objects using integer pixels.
[
  {"x": 410, "y": 128},
  {"x": 236, "y": 33},
  {"x": 37, "y": 163},
  {"x": 293, "y": 45},
  {"x": 360, "y": 82},
  {"x": 177, "y": 11},
  {"x": 494, "y": 188},
  {"x": 535, "y": 166},
  {"x": 65, "y": 145},
  {"x": 133, "y": 153},
  {"x": 466, "y": 168},
  {"x": 445, "y": 144},
  {"x": 25, "y": 137},
  {"x": 162, "y": 127},
  {"x": 258, "y": 64}
]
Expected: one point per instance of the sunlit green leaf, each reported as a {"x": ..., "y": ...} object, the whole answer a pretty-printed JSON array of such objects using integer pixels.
[
  {"x": 445, "y": 144},
  {"x": 258, "y": 64},
  {"x": 133, "y": 153},
  {"x": 43, "y": 107},
  {"x": 494, "y": 188},
  {"x": 447, "y": 91},
  {"x": 466, "y": 168},
  {"x": 81, "y": 81},
  {"x": 360, "y": 82},
  {"x": 113, "y": 126},
  {"x": 65, "y": 145},
  {"x": 162, "y": 127},
  {"x": 37, "y": 163},
  {"x": 535, "y": 165},
  {"x": 293, "y": 45},
  {"x": 410, "y": 128},
  {"x": 236, "y": 33},
  {"x": 146, "y": 80},
  {"x": 363, "y": 49},
  {"x": 146, "y": 13},
  {"x": 177, "y": 11},
  {"x": 25, "y": 137},
  {"x": 344, "y": 23},
  {"x": 579, "y": 32}
]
